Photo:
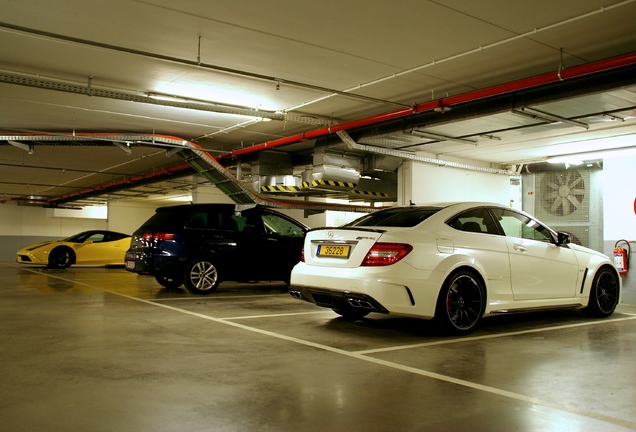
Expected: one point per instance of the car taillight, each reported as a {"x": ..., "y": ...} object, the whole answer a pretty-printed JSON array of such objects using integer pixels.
[
  {"x": 382, "y": 254},
  {"x": 150, "y": 236},
  {"x": 302, "y": 254}
]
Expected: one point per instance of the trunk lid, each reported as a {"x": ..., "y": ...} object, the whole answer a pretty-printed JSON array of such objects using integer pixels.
[{"x": 339, "y": 247}]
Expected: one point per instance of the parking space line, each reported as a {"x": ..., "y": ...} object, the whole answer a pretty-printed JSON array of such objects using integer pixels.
[
  {"x": 220, "y": 297},
  {"x": 278, "y": 315},
  {"x": 366, "y": 358},
  {"x": 494, "y": 336}
]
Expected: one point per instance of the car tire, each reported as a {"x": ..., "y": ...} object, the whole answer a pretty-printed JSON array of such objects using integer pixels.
[
  {"x": 351, "y": 314},
  {"x": 461, "y": 302},
  {"x": 201, "y": 276},
  {"x": 604, "y": 294},
  {"x": 168, "y": 282},
  {"x": 61, "y": 258}
]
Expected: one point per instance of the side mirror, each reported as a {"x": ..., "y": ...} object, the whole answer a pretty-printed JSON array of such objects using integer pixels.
[{"x": 563, "y": 238}]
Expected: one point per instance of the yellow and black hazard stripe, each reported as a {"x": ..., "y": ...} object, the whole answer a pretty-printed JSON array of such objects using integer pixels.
[
  {"x": 329, "y": 183},
  {"x": 370, "y": 193},
  {"x": 280, "y": 189}
]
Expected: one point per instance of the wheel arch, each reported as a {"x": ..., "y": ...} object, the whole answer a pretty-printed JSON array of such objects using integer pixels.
[
  {"x": 72, "y": 253},
  {"x": 586, "y": 287},
  {"x": 477, "y": 273},
  {"x": 457, "y": 262},
  {"x": 455, "y": 311},
  {"x": 205, "y": 255},
  {"x": 603, "y": 298}
]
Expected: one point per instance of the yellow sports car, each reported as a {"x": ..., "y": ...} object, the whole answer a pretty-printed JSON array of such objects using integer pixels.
[{"x": 85, "y": 248}]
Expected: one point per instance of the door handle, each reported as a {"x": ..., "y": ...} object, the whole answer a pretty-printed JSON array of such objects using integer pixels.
[{"x": 520, "y": 248}]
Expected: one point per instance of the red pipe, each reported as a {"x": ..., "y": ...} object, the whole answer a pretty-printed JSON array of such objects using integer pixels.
[
  {"x": 523, "y": 84},
  {"x": 127, "y": 180}
]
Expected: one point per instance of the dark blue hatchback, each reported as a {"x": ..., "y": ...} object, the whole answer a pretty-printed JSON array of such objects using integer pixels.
[{"x": 200, "y": 245}]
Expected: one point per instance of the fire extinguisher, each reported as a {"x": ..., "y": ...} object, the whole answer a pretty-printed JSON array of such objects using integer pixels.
[{"x": 621, "y": 257}]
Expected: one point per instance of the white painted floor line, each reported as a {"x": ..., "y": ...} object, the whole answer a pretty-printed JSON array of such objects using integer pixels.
[
  {"x": 217, "y": 297},
  {"x": 495, "y": 336},
  {"x": 368, "y": 359},
  {"x": 278, "y": 315}
]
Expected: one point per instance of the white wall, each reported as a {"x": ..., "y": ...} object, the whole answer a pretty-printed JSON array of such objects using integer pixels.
[
  {"x": 21, "y": 226},
  {"x": 37, "y": 221},
  {"x": 127, "y": 216},
  {"x": 619, "y": 214},
  {"x": 619, "y": 198}
]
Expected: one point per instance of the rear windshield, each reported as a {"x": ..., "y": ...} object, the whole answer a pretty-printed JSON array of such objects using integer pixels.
[
  {"x": 395, "y": 217},
  {"x": 166, "y": 218}
]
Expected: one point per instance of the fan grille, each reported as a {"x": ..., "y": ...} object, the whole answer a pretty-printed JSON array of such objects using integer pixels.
[{"x": 563, "y": 193}]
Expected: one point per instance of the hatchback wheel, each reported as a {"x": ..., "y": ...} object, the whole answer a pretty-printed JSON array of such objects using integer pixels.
[
  {"x": 603, "y": 295},
  {"x": 460, "y": 304},
  {"x": 201, "y": 276}
]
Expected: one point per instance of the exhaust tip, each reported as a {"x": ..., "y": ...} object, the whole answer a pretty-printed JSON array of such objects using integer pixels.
[{"x": 360, "y": 304}]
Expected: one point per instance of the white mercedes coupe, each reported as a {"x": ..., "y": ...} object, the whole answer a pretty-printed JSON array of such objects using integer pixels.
[{"x": 454, "y": 263}]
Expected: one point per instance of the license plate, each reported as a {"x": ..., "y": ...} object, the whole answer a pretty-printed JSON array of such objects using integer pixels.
[
  {"x": 337, "y": 251},
  {"x": 130, "y": 265}
]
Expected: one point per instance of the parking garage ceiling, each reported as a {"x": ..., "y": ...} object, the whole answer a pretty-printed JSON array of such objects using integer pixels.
[{"x": 97, "y": 98}]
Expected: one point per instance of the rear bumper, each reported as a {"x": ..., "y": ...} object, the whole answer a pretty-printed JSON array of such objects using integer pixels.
[
  {"x": 400, "y": 290},
  {"x": 136, "y": 262},
  {"x": 155, "y": 265},
  {"x": 339, "y": 300}
]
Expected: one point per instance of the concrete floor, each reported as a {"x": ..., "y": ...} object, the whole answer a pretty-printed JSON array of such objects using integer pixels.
[{"x": 94, "y": 349}]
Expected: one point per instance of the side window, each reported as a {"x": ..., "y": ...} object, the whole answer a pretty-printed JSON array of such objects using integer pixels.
[
  {"x": 198, "y": 220},
  {"x": 96, "y": 238},
  {"x": 228, "y": 222},
  {"x": 250, "y": 222},
  {"x": 274, "y": 224},
  {"x": 517, "y": 225},
  {"x": 211, "y": 220},
  {"x": 474, "y": 220}
]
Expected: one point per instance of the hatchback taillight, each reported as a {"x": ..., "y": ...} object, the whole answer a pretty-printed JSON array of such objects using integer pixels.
[
  {"x": 382, "y": 254},
  {"x": 150, "y": 236}
]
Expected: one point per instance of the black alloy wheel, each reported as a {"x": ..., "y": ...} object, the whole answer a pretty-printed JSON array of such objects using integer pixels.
[
  {"x": 604, "y": 294},
  {"x": 461, "y": 303},
  {"x": 61, "y": 257}
]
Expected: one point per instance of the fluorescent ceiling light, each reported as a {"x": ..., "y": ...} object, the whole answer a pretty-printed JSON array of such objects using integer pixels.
[
  {"x": 221, "y": 94},
  {"x": 184, "y": 198},
  {"x": 167, "y": 98},
  {"x": 568, "y": 160},
  {"x": 579, "y": 158}
]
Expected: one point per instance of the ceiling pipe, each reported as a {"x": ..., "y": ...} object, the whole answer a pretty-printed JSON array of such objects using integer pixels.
[
  {"x": 523, "y": 84},
  {"x": 123, "y": 182},
  {"x": 498, "y": 90},
  {"x": 157, "y": 175},
  {"x": 352, "y": 145},
  {"x": 198, "y": 64}
]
